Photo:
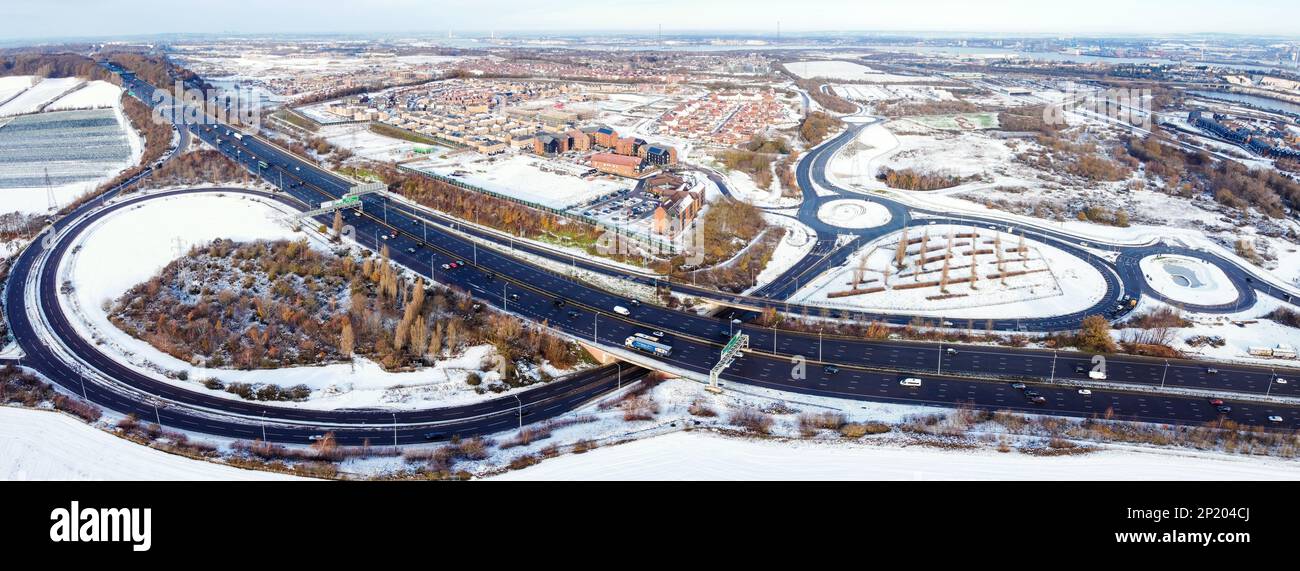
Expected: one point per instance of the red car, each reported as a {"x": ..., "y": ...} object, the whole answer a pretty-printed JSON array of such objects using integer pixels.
[{"x": 1216, "y": 402}]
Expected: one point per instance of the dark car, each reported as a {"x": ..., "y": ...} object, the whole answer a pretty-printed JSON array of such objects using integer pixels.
[
  {"x": 1224, "y": 409},
  {"x": 573, "y": 314},
  {"x": 830, "y": 369},
  {"x": 514, "y": 297},
  {"x": 435, "y": 436},
  {"x": 1038, "y": 400},
  {"x": 1031, "y": 394}
]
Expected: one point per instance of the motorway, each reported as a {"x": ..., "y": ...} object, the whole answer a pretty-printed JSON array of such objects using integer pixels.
[{"x": 833, "y": 366}]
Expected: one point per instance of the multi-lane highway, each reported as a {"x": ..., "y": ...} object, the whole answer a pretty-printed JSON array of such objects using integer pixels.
[{"x": 422, "y": 241}]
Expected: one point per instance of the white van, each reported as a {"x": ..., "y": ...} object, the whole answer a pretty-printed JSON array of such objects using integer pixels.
[
  {"x": 621, "y": 310},
  {"x": 910, "y": 382}
]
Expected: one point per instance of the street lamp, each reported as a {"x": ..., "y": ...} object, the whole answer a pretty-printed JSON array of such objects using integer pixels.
[{"x": 521, "y": 411}]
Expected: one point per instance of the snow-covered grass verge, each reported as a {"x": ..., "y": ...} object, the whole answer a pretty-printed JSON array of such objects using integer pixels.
[
  {"x": 708, "y": 456},
  {"x": 44, "y": 445}
]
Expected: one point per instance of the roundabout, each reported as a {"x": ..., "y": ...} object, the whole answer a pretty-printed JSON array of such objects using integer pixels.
[
  {"x": 854, "y": 214},
  {"x": 1188, "y": 280}
]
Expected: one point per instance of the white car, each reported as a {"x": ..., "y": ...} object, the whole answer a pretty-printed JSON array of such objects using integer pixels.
[
  {"x": 1280, "y": 381},
  {"x": 910, "y": 382},
  {"x": 621, "y": 310},
  {"x": 1085, "y": 392},
  {"x": 1275, "y": 418}
]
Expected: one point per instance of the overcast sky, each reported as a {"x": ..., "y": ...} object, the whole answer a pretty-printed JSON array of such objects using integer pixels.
[{"x": 20, "y": 19}]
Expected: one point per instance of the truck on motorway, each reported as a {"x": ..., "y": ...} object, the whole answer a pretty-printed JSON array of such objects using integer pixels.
[{"x": 647, "y": 344}]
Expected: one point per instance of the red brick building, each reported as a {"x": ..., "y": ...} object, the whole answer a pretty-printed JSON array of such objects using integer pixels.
[{"x": 620, "y": 165}]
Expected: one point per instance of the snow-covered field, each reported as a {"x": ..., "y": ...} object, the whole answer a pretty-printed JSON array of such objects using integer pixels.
[
  {"x": 847, "y": 71},
  {"x": 704, "y": 456},
  {"x": 44, "y": 445},
  {"x": 78, "y": 150},
  {"x": 892, "y": 92},
  {"x": 130, "y": 246},
  {"x": 1044, "y": 282},
  {"x": 13, "y": 85},
  {"x": 367, "y": 144},
  {"x": 554, "y": 184},
  {"x": 96, "y": 94},
  {"x": 31, "y": 100}
]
